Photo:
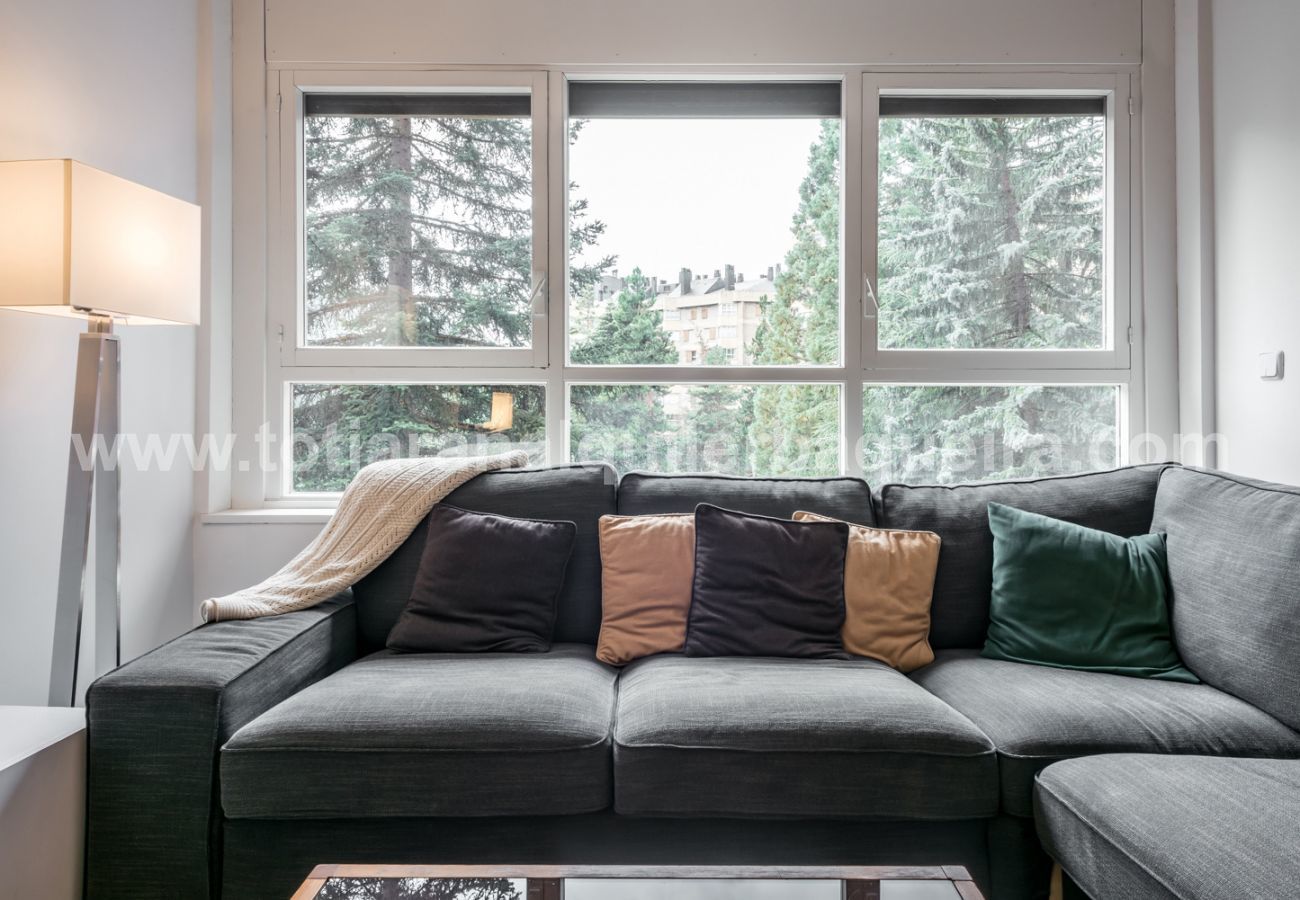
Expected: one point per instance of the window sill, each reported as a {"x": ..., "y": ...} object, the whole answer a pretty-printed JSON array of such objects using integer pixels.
[{"x": 301, "y": 516}]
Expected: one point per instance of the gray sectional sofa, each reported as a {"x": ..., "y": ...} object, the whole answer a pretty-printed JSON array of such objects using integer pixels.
[{"x": 229, "y": 761}]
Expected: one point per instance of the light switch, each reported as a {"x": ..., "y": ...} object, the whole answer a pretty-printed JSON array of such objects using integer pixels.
[{"x": 1271, "y": 366}]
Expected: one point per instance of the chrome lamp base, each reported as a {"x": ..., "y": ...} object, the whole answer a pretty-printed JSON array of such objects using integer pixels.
[{"x": 92, "y": 476}]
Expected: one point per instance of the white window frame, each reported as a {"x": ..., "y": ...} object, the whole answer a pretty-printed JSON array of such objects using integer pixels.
[
  {"x": 1116, "y": 253},
  {"x": 288, "y": 291},
  {"x": 547, "y": 362}
]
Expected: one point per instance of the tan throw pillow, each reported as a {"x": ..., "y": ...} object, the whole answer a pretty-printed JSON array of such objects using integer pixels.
[
  {"x": 888, "y": 585},
  {"x": 646, "y": 567}
]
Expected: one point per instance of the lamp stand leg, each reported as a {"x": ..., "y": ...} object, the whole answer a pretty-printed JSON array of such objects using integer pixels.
[
  {"x": 108, "y": 516},
  {"x": 92, "y": 473}
]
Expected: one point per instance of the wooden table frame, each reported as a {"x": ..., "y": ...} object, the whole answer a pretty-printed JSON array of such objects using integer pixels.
[{"x": 547, "y": 882}]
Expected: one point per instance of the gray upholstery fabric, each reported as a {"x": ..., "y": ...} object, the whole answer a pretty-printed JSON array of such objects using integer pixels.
[
  {"x": 154, "y": 727},
  {"x": 1019, "y": 867},
  {"x": 438, "y": 734},
  {"x": 579, "y": 494},
  {"x": 1037, "y": 715},
  {"x": 1234, "y": 564},
  {"x": 1120, "y": 501},
  {"x": 268, "y": 859},
  {"x": 640, "y": 494},
  {"x": 791, "y": 737},
  {"x": 1132, "y": 827}
]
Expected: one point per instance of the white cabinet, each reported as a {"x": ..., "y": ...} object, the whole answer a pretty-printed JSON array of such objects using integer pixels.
[{"x": 42, "y": 802}]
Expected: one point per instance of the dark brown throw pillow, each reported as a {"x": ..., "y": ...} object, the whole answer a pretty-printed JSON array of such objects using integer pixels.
[
  {"x": 766, "y": 587},
  {"x": 485, "y": 584}
]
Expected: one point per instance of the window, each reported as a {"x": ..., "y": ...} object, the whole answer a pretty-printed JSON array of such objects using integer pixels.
[
  {"x": 722, "y": 170},
  {"x": 992, "y": 223},
  {"x": 969, "y": 432},
  {"x": 995, "y": 241},
  {"x": 930, "y": 282},
  {"x": 418, "y": 222},
  {"x": 417, "y": 232},
  {"x": 993, "y": 236},
  {"x": 338, "y": 428},
  {"x": 708, "y": 427}
]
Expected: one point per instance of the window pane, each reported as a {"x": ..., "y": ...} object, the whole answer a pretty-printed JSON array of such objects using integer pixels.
[
  {"x": 956, "y": 433},
  {"x": 418, "y": 227},
  {"x": 738, "y": 429},
  {"x": 338, "y": 428},
  {"x": 725, "y": 222},
  {"x": 992, "y": 232}
]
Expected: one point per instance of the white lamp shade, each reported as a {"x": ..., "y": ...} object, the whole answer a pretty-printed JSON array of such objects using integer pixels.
[{"x": 74, "y": 239}]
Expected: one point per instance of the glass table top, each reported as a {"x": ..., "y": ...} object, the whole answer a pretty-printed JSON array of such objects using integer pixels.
[{"x": 360, "y": 886}]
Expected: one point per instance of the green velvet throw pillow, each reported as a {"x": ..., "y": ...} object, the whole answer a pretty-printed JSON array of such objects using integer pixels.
[{"x": 1077, "y": 598}]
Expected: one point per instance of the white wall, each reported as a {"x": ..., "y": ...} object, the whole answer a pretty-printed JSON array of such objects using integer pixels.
[
  {"x": 233, "y": 554},
  {"x": 722, "y": 32},
  {"x": 1256, "y": 72},
  {"x": 113, "y": 85}
]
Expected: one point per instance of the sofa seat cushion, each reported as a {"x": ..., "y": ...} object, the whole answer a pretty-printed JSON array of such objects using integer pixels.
[
  {"x": 738, "y": 736},
  {"x": 1037, "y": 715},
  {"x": 1136, "y": 827},
  {"x": 435, "y": 734}
]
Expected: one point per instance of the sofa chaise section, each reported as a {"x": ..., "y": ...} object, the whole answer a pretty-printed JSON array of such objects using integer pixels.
[
  {"x": 1142, "y": 827},
  {"x": 1036, "y": 715},
  {"x": 1193, "y": 827}
]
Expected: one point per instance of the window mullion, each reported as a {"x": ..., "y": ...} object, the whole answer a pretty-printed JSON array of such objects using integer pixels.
[
  {"x": 557, "y": 239},
  {"x": 852, "y": 236},
  {"x": 866, "y": 277}
]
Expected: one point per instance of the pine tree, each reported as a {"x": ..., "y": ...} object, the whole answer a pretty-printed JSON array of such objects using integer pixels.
[
  {"x": 991, "y": 232},
  {"x": 623, "y": 424},
  {"x": 794, "y": 429},
  {"x": 630, "y": 332},
  {"x": 714, "y": 436}
]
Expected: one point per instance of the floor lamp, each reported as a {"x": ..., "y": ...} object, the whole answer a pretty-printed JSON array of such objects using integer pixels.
[{"x": 75, "y": 241}]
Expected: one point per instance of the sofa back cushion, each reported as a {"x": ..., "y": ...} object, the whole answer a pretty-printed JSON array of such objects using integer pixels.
[
  {"x": 1120, "y": 501},
  {"x": 1234, "y": 565},
  {"x": 849, "y": 499},
  {"x": 580, "y": 494}
]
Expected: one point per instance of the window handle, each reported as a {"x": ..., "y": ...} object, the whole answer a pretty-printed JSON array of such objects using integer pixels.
[
  {"x": 538, "y": 298},
  {"x": 870, "y": 305}
]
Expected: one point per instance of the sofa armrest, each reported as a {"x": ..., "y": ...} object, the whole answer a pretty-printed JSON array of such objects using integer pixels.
[{"x": 155, "y": 726}]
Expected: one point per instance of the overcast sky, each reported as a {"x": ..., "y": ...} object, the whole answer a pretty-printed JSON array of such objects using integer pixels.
[{"x": 697, "y": 193}]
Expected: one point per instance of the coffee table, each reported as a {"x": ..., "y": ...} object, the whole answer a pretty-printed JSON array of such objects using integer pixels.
[{"x": 386, "y": 882}]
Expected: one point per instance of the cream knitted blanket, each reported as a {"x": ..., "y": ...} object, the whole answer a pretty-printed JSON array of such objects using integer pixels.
[{"x": 380, "y": 508}]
